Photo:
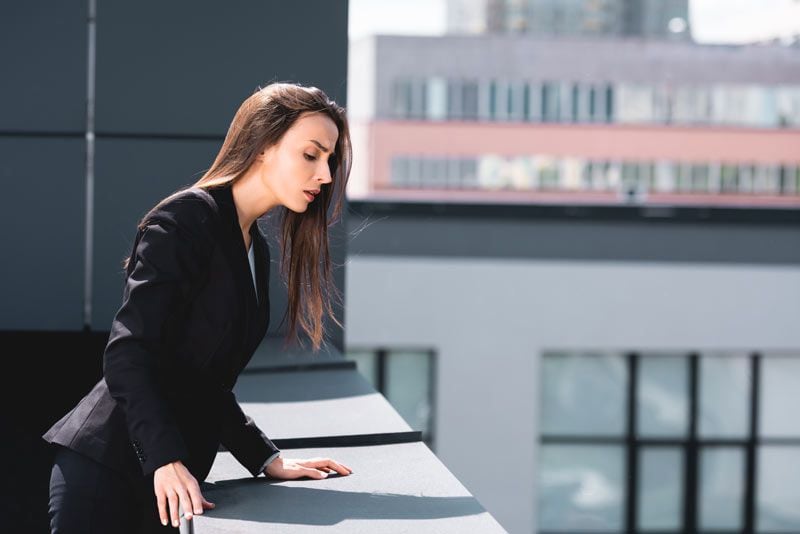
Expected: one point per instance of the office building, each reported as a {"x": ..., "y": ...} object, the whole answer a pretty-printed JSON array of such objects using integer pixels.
[{"x": 515, "y": 118}]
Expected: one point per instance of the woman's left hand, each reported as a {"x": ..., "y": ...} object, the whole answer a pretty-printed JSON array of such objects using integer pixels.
[{"x": 313, "y": 468}]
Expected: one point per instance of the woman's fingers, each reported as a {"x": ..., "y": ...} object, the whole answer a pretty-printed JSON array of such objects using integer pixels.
[
  {"x": 195, "y": 504},
  {"x": 177, "y": 491},
  {"x": 328, "y": 463},
  {"x": 197, "y": 499},
  {"x": 208, "y": 505},
  {"x": 317, "y": 468},
  {"x": 172, "y": 497},
  {"x": 162, "y": 507},
  {"x": 344, "y": 467},
  {"x": 313, "y": 473},
  {"x": 185, "y": 504}
]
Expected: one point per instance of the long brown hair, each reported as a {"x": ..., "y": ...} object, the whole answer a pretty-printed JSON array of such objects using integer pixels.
[{"x": 260, "y": 122}]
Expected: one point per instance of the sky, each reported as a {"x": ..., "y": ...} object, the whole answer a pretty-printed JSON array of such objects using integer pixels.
[{"x": 713, "y": 21}]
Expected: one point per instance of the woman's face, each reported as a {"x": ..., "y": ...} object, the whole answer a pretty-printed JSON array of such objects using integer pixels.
[{"x": 298, "y": 163}]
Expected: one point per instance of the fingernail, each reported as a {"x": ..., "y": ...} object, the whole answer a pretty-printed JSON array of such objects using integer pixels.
[
  {"x": 175, "y": 523},
  {"x": 164, "y": 522}
]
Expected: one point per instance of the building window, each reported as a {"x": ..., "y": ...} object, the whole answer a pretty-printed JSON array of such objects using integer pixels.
[
  {"x": 454, "y": 104},
  {"x": 436, "y": 99},
  {"x": 534, "y": 102},
  {"x": 407, "y": 379},
  {"x": 634, "y": 103},
  {"x": 483, "y": 100},
  {"x": 517, "y": 101},
  {"x": 419, "y": 106},
  {"x": 788, "y": 112},
  {"x": 729, "y": 178},
  {"x": 401, "y": 99},
  {"x": 501, "y": 101},
  {"x": 548, "y": 173},
  {"x": 789, "y": 179},
  {"x": 400, "y": 172},
  {"x": 635, "y": 180},
  {"x": 469, "y": 173},
  {"x": 575, "y": 102},
  {"x": 470, "y": 100},
  {"x": 684, "y": 177},
  {"x": 746, "y": 178},
  {"x": 526, "y": 102},
  {"x": 665, "y": 442},
  {"x": 550, "y": 102},
  {"x": 609, "y": 97},
  {"x": 700, "y": 178}
]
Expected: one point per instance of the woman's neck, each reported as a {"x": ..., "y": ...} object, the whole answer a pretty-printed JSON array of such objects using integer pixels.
[{"x": 251, "y": 201}]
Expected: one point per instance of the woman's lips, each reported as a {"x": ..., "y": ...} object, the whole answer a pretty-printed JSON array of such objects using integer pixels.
[{"x": 308, "y": 195}]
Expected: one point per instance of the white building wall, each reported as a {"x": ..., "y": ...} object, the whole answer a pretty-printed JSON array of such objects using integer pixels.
[
  {"x": 489, "y": 320},
  {"x": 361, "y": 66}
]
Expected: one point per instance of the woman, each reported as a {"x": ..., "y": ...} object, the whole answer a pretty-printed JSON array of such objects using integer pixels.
[{"x": 194, "y": 309}]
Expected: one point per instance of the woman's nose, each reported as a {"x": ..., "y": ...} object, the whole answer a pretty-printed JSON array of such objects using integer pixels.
[{"x": 324, "y": 175}]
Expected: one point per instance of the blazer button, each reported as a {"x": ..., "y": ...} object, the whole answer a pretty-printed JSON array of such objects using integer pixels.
[{"x": 139, "y": 453}]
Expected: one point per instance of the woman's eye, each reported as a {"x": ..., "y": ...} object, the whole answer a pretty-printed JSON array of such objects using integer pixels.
[{"x": 309, "y": 157}]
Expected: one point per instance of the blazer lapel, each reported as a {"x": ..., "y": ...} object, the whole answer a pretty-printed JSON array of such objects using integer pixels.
[
  {"x": 255, "y": 314},
  {"x": 233, "y": 247}
]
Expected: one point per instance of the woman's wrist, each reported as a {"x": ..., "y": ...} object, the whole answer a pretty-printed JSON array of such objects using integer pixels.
[{"x": 270, "y": 461}]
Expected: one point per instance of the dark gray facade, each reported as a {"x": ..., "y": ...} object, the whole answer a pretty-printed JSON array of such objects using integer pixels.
[
  {"x": 122, "y": 104},
  {"x": 576, "y": 233},
  {"x": 42, "y": 161},
  {"x": 105, "y": 107}
]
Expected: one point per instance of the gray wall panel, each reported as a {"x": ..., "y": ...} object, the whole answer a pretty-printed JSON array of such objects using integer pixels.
[
  {"x": 441, "y": 236},
  {"x": 132, "y": 176},
  {"x": 183, "y": 67},
  {"x": 41, "y": 273},
  {"x": 43, "y": 65},
  {"x": 164, "y": 70}
]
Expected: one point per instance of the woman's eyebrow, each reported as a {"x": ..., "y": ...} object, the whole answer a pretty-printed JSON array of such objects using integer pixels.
[{"x": 320, "y": 145}]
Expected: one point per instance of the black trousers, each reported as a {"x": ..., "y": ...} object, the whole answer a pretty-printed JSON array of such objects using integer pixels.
[{"x": 87, "y": 497}]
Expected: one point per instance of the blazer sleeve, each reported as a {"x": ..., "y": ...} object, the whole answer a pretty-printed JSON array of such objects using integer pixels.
[
  {"x": 242, "y": 437},
  {"x": 166, "y": 261}
]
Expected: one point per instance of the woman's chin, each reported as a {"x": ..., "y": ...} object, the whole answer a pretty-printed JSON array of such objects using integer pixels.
[{"x": 299, "y": 208}]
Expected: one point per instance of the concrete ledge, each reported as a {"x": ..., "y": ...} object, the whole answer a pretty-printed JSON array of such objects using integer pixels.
[{"x": 393, "y": 488}]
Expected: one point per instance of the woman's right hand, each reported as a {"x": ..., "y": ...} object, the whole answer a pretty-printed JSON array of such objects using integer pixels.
[{"x": 174, "y": 485}]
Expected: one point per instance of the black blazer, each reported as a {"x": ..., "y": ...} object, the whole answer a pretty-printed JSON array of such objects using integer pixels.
[{"x": 188, "y": 324}]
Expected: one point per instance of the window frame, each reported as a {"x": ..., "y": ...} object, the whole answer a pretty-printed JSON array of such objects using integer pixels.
[{"x": 691, "y": 445}]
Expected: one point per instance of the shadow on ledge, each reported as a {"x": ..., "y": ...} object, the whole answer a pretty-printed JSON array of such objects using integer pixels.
[{"x": 258, "y": 500}]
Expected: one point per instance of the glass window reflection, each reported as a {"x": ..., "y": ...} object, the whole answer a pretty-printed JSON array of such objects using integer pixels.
[
  {"x": 580, "y": 488},
  {"x": 777, "y": 488},
  {"x": 662, "y": 395},
  {"x": 721, "y": 491},
  {"x": 724, "y": 402},
  {"x": 660, "y": 488},
  {"x": 583, "y": 394},
  {"x": 779, "y": 388}
]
